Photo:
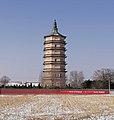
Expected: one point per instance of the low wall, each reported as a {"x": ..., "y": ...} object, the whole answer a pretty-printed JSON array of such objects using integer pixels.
[{"x": 50, "y": 91}]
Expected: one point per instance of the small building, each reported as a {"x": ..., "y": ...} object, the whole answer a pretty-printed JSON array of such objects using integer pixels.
[
  {"x": 14, "y": 83},
  {"x": 32, "y": 84}
]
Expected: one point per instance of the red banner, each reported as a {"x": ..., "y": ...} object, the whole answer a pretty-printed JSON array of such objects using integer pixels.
[
  {"x": 49, "y": 91},
  {"x": 85, "y": 92}
]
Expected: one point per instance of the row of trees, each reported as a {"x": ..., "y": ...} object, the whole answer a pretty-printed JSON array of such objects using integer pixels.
[{"x": 100, "y": 79}]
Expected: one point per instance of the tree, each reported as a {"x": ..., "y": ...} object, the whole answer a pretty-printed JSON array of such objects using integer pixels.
[
  {"x": 87, "y": 84},
  {"x": 41, "y": 77},
  {"x": 105, "y": 75},
  {"x": 4, "y": 80},
  {"x": 94, "y": 84},
  {"x": 76, "y": 78}
]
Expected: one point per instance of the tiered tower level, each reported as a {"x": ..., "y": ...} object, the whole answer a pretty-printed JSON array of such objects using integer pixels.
[{"x": 54, "y": 59}]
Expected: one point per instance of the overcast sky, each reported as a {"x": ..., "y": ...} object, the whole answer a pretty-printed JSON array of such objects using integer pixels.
[{"x": 88, "y": 25}]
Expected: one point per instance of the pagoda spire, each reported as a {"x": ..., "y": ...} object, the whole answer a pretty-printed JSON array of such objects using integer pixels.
[{"x": 55, "y": 29}]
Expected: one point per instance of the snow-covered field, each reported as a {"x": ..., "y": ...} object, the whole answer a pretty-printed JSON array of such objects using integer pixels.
[{"x": 57, "y": 107}]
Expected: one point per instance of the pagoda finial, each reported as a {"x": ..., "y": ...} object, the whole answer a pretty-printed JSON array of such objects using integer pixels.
[{"x": 55, "y": 29}]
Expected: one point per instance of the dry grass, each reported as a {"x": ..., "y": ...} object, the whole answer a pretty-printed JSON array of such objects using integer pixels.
[{"x": 56, "y": 107}]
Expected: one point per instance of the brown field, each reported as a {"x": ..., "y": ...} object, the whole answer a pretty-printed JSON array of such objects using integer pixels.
[{"x": 57, "y": 107}]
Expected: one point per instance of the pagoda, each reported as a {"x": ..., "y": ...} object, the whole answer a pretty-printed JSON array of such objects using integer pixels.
[{"x": 54, "y": 59}]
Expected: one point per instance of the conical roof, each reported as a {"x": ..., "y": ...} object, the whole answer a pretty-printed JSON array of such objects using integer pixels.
[{"x": 54, "y": 31}]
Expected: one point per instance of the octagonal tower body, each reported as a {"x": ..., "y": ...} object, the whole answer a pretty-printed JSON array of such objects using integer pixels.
[{"x": 54, "y": 59}]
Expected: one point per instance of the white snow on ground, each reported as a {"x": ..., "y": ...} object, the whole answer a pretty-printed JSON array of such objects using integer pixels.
[{"x": 57, "y": 107}]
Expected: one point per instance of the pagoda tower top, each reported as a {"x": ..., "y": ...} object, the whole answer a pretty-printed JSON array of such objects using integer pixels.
[{"x": 55, "y": 31}]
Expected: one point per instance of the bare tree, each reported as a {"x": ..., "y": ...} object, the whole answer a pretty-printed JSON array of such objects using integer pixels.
[
  {"x": 104, "y": 74},
  {"x": 4, "y": 80},
  {"x": 76, "y": 78},
  {"x": 41, "y": 77}
]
